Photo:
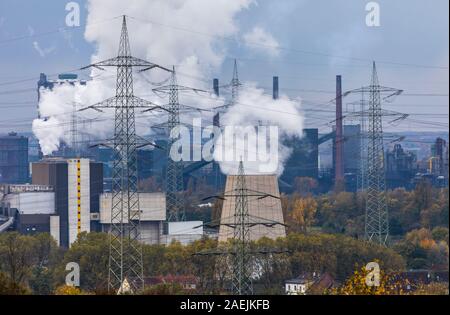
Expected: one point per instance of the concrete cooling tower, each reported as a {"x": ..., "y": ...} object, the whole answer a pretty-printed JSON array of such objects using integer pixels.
[{"x": 260, "y": 209}]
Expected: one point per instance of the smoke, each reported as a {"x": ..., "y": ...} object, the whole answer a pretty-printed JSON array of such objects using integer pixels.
[
  {"x": 155, "y": 31},
  {"x": 260, "y": 148},
  {"x": 166, "y": 33}
]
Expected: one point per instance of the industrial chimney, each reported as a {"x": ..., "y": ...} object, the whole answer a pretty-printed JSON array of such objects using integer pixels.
[
  {"x": 339, "y": 141},
  {"x": 275, "y": 88}
]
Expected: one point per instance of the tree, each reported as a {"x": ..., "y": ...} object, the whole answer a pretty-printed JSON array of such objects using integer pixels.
[
  {"x": 432, "y": 289},
  {"x": 303, "y": 212},
  {"x": 91, "y": 252},
  {"x": 8, "y": 287},
  {"x": 41, "y": 280},
  {"x": 17, "y": 256},
  {"x": 440, "y": 233},
  {"x": 68, "y": 290},
  {"x": 421, "y": 250},
  {"x": 357, "y": 285}
]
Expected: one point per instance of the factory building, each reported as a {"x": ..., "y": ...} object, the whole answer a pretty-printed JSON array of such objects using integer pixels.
[
  {"x": 152, "y": 221},
  {"x": 351, "y": 155},
  {"x": 438, "y": 162},
  {"x": 14, "y": 167},
  {"x": 77, "y": 185},
  {"x": 28, "y": 208},
  {"x": 401, "y": 167},
  {"x": 261, "y": 208},
  {"x": 304, "y": 159},
  {"x": 153, "y": 214},
  {"x": 149, "y": 162}
]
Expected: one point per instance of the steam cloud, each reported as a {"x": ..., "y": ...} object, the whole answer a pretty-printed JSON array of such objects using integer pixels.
[{"x": 156, "y": 34}]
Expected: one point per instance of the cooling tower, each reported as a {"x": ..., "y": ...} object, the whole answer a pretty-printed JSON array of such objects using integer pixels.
[{"x": 265, "y": 209}]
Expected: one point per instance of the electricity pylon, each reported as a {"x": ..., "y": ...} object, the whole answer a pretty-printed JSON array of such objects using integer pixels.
[
  {"x": 377, "y": 217},
  {"x": 235, "y": 85},
  {"x": 125, "y": 251},
  {"x": 174, "y": 170},
  {"x": 241, "y": 260},
  {"x": 240, "y": 257}
]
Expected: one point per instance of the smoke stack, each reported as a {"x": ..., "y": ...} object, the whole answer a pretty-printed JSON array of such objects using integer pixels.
[
  {"x": 216, "y": 118},
  {"x": 275, "y": 88},
  {"x": 339, "y": 163},
  {"x": 216, "y": 87}
]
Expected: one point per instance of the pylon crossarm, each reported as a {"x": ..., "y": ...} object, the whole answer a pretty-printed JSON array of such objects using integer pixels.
[
  {"x": 127, "y": 61},
  {"x": 168, "y": 88}
]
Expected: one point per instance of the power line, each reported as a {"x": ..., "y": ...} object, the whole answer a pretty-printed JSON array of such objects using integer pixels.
[{"x": 234, "y": 39}]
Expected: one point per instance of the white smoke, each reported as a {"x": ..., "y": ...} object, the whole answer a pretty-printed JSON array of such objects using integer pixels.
[
  {"x": 276, "y": 120},
  {"x": 155, "y": 31},
  {"x": 166, "y": 33}
]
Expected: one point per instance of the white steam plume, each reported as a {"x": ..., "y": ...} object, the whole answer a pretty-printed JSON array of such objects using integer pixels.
[
  {"x": 254, "y": 108},
  {"x": 158, "y": 33}
]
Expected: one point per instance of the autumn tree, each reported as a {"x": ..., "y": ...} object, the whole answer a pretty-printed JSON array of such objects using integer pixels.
[
  {"x": 91, "y": 252},
  {"x": 17, "y": 256},
  {"x": 357, "y": 284},
  {"x": 303, "y": 212}
]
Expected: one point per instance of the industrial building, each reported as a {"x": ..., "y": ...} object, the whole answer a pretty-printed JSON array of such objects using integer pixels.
[
  {"x": 439, "y": 161},
  {"x": 27, "y": 208},
  {"x": 351, "y": 154},
  {"x": 14, "y": 167},
  {"x": 77, "y": 185},
  {"x": 153, "y": 220},
  {"x": 434, "y": 168},
  {"x": 303, "y": 161},
  {"x": 153, "y": 214},
  {"x": 401, "y": 167},
  {"x": 262, "y": 208}
]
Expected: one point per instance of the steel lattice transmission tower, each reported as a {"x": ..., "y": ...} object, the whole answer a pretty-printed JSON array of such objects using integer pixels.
[
  {"x": 235, "y": 84},
  {"x": 377, "y": 218},
  {"x": 241, "y": 260},
  {"x": 174, "y": 172},
  {"x": 373, "y": 172},
  {"x": 125, "y": 251}
]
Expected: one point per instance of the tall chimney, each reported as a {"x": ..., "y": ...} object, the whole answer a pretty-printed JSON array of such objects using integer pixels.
[
  {"x": 275, "y": 88},
  {"x": 216, "y": 118},
  {"x": 216, "y": 86},
  {"x": 339, "y": 161}
]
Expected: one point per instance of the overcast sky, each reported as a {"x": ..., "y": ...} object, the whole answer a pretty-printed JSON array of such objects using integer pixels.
[{"x": 305, "y": 42}]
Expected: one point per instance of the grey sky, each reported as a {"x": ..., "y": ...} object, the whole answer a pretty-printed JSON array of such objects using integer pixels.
[{"x": 318, "y": 39}]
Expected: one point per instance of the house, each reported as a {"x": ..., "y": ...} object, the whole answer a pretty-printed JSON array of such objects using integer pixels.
[
  {"x": 310, "y": 283},
  {"x": 324, "y": 283},
  {"x": 299, "y": 285}
]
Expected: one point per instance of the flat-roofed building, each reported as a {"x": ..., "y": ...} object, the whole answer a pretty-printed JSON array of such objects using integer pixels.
[{"x": 152, "y": 216}]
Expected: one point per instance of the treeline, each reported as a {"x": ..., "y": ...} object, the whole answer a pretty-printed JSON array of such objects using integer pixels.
[
  {"x": 418, "y": 220},
  {"x": 35, "y": 265}
]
